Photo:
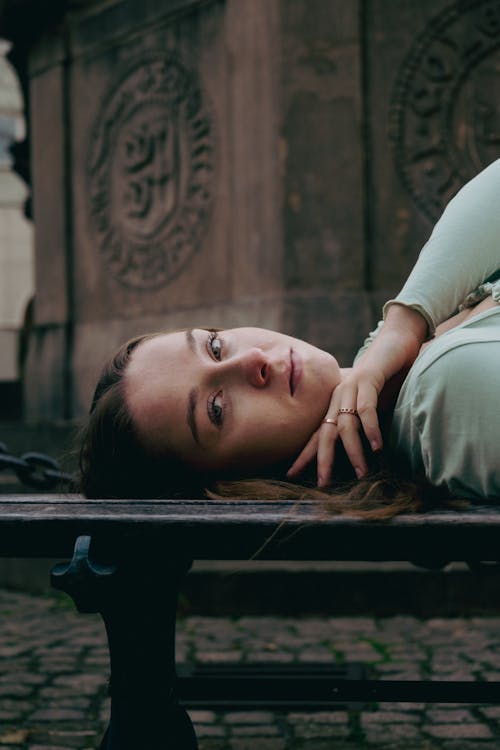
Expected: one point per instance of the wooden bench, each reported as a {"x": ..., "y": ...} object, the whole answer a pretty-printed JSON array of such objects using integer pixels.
[{"x": 128, "y": 559}]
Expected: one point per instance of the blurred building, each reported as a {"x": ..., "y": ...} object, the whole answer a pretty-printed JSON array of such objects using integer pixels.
[
  {"x": 16, "y": 243},
  {"x": 277, "y": 163}
]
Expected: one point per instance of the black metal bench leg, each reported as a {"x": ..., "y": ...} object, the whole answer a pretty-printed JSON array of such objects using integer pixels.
[{"x": 137, "y": 601}]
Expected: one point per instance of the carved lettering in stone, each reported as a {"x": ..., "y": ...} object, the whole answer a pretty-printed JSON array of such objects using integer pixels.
[
  {"x": 445, "y": 113},
  {"x": 150, "y": 172}
]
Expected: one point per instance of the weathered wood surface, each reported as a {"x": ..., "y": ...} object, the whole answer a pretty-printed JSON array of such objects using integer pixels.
[{"x": 47, "y": 526}]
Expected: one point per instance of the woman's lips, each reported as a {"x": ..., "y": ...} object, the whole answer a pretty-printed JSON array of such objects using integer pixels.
[{"x": 295, "y": 371}]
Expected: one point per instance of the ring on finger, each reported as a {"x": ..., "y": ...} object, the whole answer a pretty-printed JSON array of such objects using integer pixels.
[
  {"x": 352, "y": 412},
  {"x": 330, "y": 420}
]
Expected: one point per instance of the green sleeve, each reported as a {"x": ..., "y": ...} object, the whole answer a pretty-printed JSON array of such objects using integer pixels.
[{"x": 462, "y": 251}]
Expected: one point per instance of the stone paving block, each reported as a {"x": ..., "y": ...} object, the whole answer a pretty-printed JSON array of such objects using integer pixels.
[
  {"x": 209, "y": 744},
  {"x": 275, "y": 658},
  {"x": 208, "y": 730},
  {"x": 10, "y": 716},
  {"x": 487, "y": 624},
  {"x": 81, "y": 683},
  {"x": 9, "y": 652},
  {"x": 466, "y": 673},
  {"x": 202, "y": 717},
  {"x": 26, "y": 678},
  {"x": 406, "y": 674},
  {"x": 458, "y": 731},
  {"x": 491, "y": 658},
  {"x": 380, "y": 733},
  {"x": 352, "y": 624},
  {"x": 249, "y": 717},
  {"x": 46, "y": 736},
  {"x": 53, "y": 692},
  {"x": 394, "y": 667},
  {"x": 388, "y": 717},
  {"x": 316, "y": 628},
  {"x": 320, "y": 717},
  {"x": 323, "y": 656},
  {"x": 57, "y": 714},
  {"x": 74, "y": 701},
  {"x": 219, "y": 657},
  {"x": 13, "y": 736},
  {"x": 490, "y": 676},
  {"x": 444, "y": 716},
  {"x": 16, "y": 705},
  {"x": 492, "y": 712},
  {"x": 255, "y": 743},
  {"x": 310, "y": 730},
  {"x": 402, "y": 706},
  {"x": 258, "y": 730},
  {"x": 15, "y": 690},
  {"x": 76, "y": 738}
]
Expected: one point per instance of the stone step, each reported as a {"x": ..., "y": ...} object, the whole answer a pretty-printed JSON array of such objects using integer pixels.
[{"x": 301, "y": 588}]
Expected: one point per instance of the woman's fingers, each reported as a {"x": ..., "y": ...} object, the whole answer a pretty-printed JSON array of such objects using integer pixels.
[
  {"x": 367, "y": 412},
  {"x": 354, "y": 409},
  {"x": 305, "y": 456},
  {"x": 349, "y": 427},
  {"x": 326, "y": 452}
]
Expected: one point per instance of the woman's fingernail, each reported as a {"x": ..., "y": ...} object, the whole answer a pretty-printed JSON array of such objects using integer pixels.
[
  {"x": 374, "y": 445},
  {"x": 321, "y": 481},
  {"x": 359, "y": 472}
]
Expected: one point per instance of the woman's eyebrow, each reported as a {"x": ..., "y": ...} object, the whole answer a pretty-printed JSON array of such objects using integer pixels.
[
  {"x": 190, "y": 417},
  {"x": 191, "y": 341}
]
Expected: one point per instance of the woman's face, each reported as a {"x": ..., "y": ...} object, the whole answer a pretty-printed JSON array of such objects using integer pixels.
[{"x": 236, "y": 400}]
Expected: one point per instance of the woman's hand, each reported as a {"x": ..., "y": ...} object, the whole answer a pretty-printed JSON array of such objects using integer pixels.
[
  {"x": 345, "y": 422},
  {"x": 353, "y": 406}
]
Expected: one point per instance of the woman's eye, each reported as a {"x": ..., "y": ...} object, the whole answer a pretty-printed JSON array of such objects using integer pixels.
[
  {"x": 215, "y": 409},
  {"x": 215, "y": 345}
]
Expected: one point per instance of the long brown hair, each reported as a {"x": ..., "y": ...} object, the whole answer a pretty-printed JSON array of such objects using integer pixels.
[{"x": 115, "y": 464}]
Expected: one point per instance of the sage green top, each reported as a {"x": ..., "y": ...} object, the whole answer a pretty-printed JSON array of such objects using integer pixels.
[{"x": 447, "y": 416}]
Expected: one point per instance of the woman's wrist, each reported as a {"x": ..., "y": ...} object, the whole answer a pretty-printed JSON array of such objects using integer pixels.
[
  {"x": 397, "y": 344},
  {"x": 402, "y": 317},
  {"x": 408, "y": 326}
]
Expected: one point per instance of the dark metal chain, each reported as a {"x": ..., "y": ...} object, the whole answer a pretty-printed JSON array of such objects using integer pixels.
[{"x": 34, "y": 469}]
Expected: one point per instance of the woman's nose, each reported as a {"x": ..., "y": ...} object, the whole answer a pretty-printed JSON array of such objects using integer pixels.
[{"x": 253, "y": 365}]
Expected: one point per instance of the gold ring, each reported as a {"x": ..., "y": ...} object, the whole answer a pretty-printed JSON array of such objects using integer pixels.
[
  {"x": 329, "y": 420},
  {"x": 348, "y": 411}
]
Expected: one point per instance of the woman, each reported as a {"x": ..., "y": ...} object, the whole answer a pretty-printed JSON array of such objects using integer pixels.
[{"x": 175, "y": 413}]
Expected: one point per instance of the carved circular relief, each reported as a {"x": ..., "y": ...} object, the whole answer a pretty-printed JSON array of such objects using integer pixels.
[
  {"x": 150, "y": 172},
  {"x": 445, "y": 113}
]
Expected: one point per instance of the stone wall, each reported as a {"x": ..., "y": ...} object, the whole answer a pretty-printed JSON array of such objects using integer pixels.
[{"x": 227, "y": 162}]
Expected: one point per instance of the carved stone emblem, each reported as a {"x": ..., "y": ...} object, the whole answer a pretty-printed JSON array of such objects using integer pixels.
[
  {"x": 150, "y": 172},
  {"x": 445, "y": 113}
]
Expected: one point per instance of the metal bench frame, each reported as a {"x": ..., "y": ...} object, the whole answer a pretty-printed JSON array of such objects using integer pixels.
[{"x": 128, "y": 559}]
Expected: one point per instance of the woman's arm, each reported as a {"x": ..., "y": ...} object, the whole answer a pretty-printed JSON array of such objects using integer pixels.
[{"x": 463, "y": 250}]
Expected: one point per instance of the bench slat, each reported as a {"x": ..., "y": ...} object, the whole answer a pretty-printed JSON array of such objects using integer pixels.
[{"x": 47, "y": 526}]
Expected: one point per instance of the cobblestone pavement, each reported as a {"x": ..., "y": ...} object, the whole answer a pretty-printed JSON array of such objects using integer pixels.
[{"x": 54, "y": 667}]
